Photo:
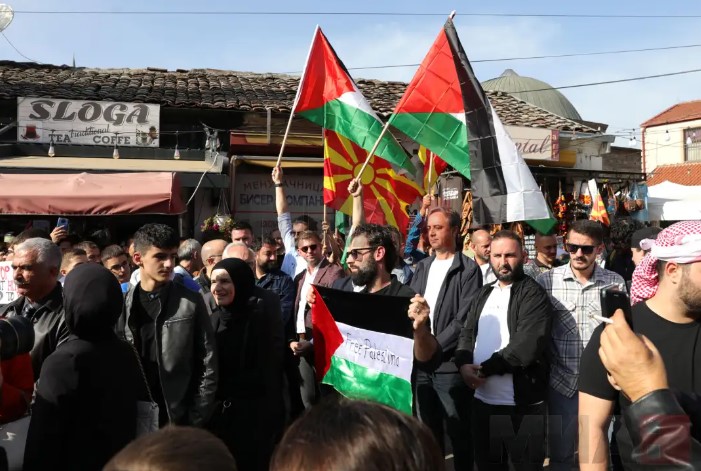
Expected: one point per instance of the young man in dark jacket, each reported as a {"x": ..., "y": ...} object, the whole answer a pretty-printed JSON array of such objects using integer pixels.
[
  {"x": 501, "y": 355},
  {"x": 170, "y": 327},
  {"x": 448, "y": 281}
]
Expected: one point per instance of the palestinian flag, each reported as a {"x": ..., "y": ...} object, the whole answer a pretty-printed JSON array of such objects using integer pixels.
[
  {"x": 386, "y": 191},
  {"x": 446, "y": 110},
  {"x": 431, "y": 173},
  {"x": 363, "y": 346},
  {"x": 329, "y": 97}
]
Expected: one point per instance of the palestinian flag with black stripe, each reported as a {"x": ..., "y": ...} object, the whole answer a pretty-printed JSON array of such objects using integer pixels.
[
  {"x": 446, "y": 110},
  {"x": 363, "y": 346}
]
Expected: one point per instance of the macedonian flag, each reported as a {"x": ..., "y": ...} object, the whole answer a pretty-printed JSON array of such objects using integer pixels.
[
  {"x": 432, "y": 170},
  {"x": 386, "y": 193}
]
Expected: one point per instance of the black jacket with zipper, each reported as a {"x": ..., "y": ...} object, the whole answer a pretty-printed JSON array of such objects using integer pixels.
[
  {"x": 187, "y": 359},
  {"x": 529, "y": 319},
  {"x": 460, "y": 287}
]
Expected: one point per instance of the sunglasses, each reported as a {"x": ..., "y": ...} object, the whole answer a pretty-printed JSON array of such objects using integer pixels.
[
  {"x": 308, "y": 248},
  {"x": 356, "y": 252},
  {"x": 574, "y": 248}
]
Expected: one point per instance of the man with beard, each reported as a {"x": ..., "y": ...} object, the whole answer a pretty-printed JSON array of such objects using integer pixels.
[
  {"x": 480, "y": 243},
  {"x": 546, "y": 256},
  {"x": 269, "y": 277},
  {"x": 502, "y": 356},
  {"x": 574, "y": 293},
  {"x": 667, "y": 291},
  {"x": 371, "y": 257}
]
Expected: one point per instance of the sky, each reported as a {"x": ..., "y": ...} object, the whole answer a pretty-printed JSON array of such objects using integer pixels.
[{"x": 279, "y": 43}]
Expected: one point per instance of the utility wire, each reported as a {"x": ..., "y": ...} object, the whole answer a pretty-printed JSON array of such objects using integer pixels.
[
  {"x": 17, "y": 50},
  {"x": 607, "y": 82},
  {"x": 352, "y": 13},
  {"x": 553, "y": 56}
]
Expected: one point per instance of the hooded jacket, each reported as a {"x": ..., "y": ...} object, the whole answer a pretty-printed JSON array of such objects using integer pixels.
[{"x": 85, "y": 409}]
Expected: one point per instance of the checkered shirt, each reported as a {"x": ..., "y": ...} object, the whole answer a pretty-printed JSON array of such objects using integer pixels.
[{"x": 573, "y": 302}]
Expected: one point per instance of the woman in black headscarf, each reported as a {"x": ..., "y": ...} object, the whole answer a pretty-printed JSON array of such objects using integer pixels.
[
  {"x": 85, "y": 409},
  {"x": 249, "y": 339}
]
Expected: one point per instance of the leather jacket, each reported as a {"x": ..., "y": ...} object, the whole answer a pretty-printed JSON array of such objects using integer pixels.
[
  {"x": 661, "y": 432},
  {"x": 49, "y": 325},
  {"x": 187, "y": 361}
]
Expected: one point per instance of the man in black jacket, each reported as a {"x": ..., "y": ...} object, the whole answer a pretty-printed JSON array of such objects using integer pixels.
[
  {"x": 448, "y": 281},
  {"x": 36, "y": 267},
  {"x": 170, "y": 327},
  {"x": 501, "y": 355}
]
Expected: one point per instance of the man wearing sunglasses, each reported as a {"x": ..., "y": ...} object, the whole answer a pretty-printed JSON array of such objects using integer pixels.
[
  {"x": 319, "y": 272},
  {"x": 574, "y": 293}
]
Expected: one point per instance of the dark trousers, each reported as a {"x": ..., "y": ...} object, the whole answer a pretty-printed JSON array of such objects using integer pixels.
[
  {"x": 443, "y": 403},
  {"x": 504, "y": 434},
  {"x": 308, "y": 387}
]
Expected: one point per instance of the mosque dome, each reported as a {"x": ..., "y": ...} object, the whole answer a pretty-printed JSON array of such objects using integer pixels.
[{"x": 551, "y": 100}]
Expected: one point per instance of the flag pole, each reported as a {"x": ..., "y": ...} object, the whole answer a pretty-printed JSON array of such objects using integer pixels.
[
  {"x": 430, "y": 173},
  {"x": 372, "y": 151},
  {"x": 294, "y": 104}
]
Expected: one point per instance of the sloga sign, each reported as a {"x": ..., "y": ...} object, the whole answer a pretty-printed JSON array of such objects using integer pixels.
[{"x": 102, "y": 123}]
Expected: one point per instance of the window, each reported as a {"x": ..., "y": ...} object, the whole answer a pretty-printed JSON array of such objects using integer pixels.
[{"x": 692, "y": 145}]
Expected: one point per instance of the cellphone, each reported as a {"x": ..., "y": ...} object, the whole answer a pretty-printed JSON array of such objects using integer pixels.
[
  {"x": 612, "y": 298},
  {"x": 63, "y": 222}
]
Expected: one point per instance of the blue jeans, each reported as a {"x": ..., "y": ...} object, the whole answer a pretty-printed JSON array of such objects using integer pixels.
[
  {"x": 444, "y": 400},
  {"x": 562, "y": 429}
]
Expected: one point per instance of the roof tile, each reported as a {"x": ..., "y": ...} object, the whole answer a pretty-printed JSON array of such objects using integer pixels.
[
  {"x": 687, "y": 111},
  {"x": 688, "y": 173},
  {"x": 209, "y": 88}
]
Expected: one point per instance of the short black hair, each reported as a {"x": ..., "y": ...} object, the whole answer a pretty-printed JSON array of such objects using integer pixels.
[
  {"x": 507, "y": 234},
  {"x": 379, "y": 236},
  {"x": 155, "y": 235},
  {"x": 30, "y": 234},
  {"x": 622, "y": 230},
  {"x": 259, "y": 242},
  {"x": 588, "y": 228},
  {"x": 308, "y": 220},
  {"x": 112, "y": 251},
  {"x": 241, "y": 226}
]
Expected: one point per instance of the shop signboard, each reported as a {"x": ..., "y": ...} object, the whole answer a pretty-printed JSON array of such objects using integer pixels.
[
  {"x": 536, "y": 143},
  {"x": 101, "y": 123},
  {"x": 254, "y": 199},
  {"x": 8, "y": 290}
]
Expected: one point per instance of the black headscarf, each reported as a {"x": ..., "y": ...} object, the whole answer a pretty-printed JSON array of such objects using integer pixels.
[
  {"x": 243, "y": 279},
  {"x": 93, "y": 301}
]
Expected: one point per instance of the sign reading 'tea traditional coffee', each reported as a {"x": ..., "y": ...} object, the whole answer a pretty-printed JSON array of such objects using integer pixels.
[{"x": 102, "y": 123}]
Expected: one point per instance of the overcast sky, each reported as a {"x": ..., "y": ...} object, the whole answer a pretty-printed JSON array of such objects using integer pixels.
[{"x": 279, "y": 43}]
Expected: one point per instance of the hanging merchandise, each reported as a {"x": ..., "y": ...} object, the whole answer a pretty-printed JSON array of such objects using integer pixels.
[
  {"x": 611, "y": 202},
  {"x": 561, "y": 211},
  {"x": 466, "y": 215},
  {"x": 631, "y": 195},
  {"x": 641, "y": 212},
  {"x": 545, "y": 226},
  {"x": 598, "y": 210}
]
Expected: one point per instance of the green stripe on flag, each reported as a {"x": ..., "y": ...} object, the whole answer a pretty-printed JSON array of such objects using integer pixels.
[
  {"x": 441, "y": 133},
  {"x": 361, "y": 128},
  {"x": 358, "y": 382}
]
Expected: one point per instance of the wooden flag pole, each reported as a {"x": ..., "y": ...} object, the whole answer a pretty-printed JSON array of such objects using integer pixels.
[
  {"x": 294, "y": 104},
  {"x": 430, "y": 173},
  {"x": 372, "y": 151}
]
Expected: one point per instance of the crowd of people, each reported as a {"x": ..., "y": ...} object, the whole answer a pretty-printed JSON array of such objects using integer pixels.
[{"x": 214, "y": 338}]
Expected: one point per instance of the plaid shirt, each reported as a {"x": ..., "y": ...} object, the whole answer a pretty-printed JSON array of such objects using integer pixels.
[{"x": 572, "y": 328}]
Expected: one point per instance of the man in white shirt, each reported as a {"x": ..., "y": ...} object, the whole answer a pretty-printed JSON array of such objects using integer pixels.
[
  {"x": 502, "y": 356},
  {"x": 293, "y": 264},
  {"x": 448, "y": 280},
  {"x": 480, "y": 243}
]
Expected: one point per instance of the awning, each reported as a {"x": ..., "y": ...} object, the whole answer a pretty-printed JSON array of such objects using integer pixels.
[
  {"x": 669, "y": 201},
  {"x": 90, "y": 194}
]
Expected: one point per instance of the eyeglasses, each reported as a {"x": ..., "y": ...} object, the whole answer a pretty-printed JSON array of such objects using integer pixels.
[
  {"x": 355, "y": 252},
  {"x": 574, "y": 248},
  {"x": 308, "y": 248}
]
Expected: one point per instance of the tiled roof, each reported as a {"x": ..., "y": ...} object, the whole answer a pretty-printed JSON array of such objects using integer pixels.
[
  {"x": 222, "y": 89},
  {"x": 687, "y": 111},
  {"x": 688, "y": 173}
]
